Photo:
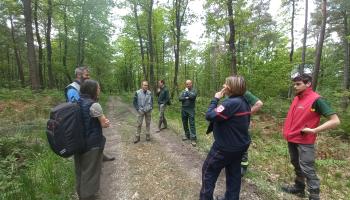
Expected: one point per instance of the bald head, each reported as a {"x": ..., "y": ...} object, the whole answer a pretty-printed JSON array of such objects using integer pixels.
[{"x": 189, "y": 84}]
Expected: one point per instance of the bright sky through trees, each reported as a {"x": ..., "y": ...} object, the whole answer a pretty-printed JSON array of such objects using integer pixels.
[{"x": 195, "y": 31}]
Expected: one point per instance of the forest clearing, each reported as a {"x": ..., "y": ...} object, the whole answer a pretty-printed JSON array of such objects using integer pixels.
[{"x": 49, "y": 46}]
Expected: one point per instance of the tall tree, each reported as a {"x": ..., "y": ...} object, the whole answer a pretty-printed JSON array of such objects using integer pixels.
[
  {"x": 33, "y": 67},
  {"x": 232, "y": 38},
  {"x": 292, "y": 33},
  {"x": 150, "y": 44},
  {"x": 17, "y": 53},
  {"x": 145, "y": 76},
  {"x": 180, "y": 7},
  {"x": 345, "y": 11},
  {"x": 38, "y": 40},
  {"x": 302, "y": 66},
  {"x": 320, "y": 45},
  {"x": 81, "y": 37},
  {"x": 65, "y": 42},
  {"x": 48, "y": 44}
]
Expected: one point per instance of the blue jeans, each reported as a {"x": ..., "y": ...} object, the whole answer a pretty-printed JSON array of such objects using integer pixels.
[{"x": 214, "y": 163}]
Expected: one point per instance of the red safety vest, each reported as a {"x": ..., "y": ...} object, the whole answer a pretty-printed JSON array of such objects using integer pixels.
[{"x": 301, "y": 115}]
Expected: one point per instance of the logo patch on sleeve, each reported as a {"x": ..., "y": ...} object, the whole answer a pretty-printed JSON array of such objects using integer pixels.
[{"x": 220, "y": 108}]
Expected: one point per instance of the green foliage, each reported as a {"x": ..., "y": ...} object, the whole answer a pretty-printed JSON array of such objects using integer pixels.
[
  {"x": 29, "y": 170},
  {"x": 28, "y": 167}
]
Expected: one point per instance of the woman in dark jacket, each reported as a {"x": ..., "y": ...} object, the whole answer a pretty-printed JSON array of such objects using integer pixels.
[
  {"x": 230, "y": 128},
  {"x": 88, "y": 164}
]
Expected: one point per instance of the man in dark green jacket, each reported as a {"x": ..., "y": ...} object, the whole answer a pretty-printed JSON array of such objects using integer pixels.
[
  {"x": 188, "y": 99},
  {"x": 163, "y": 101}
]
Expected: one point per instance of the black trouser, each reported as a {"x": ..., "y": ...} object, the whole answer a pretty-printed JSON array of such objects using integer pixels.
[
  {"x": 214, "y": 163},
  {"x": 187, "y": 116}
]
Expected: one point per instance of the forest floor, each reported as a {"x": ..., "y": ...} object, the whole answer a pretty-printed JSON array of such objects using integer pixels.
[{"x": 164, "y": 168}]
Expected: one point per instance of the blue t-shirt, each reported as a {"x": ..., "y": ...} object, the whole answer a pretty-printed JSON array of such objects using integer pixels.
[{"x": 73, "y": 95}]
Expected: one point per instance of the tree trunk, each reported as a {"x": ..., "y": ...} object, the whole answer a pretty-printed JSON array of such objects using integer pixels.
[
  {"x": 345, "y": 99},
  {"x": 179, "y": 17},
  {"x": 38, "y": 39},
  {"x": 48, "y": 45},
  {"x": 80, "y": 35},
  {"x": 292, "y": 33},
  {"x": 232, "y": 38},
  {"x": 302, "y": 66},
  {"x": 140, "y": 41},
  {"x": 65, "y": 44},
  {"x": 17, "y": 54},
  {"x": 320, "y": 45},
  {"x": 150, "y": 46},
  {"x": 7, "y": 74},
  {"x": 33, "y": 68}
]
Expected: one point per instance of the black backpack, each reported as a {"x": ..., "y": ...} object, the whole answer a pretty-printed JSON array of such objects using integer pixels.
[{"x": 65, "y": 130}]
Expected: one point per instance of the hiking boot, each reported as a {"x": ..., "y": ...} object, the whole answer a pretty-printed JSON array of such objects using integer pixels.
[
  {"x": 136, "y": 139},
  {"x": 220, "y": 198},
  {"x": 314, "y": 194},
  {"x": 243, "y": 170},
  {"x": 158, "y": 130},
  {"x": 92, "y": 197},
  {"x": 185, "y": 137},
  {"x": 296, "y": 189},
  {"x": 148, "y": 137},
  {"x": 194, "y": 143},
  {"x": 107, "y": 158}
]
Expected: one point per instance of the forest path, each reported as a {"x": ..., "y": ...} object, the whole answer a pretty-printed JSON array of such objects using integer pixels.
[{"x": 164, "y": 168}]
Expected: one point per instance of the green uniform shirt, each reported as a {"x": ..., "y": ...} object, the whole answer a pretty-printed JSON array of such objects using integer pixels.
[
  {"x": 322, "y": 107},
  {"x": 163, "y": 96},
  {"x": 250, "y": 98},
  {"x": 188, "y": 98}
]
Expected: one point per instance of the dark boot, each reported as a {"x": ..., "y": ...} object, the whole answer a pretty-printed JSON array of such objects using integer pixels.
[
  {"x": 136, "y": 139},
  {"x": 107, "y": 158},
  {"x": 243, "y": 170},
  {"x": 220, "y": 198},
  {"x": 148, "y": 137},
  {"x": 297, "y": 189},
  {"x": 314, "y": 194}
]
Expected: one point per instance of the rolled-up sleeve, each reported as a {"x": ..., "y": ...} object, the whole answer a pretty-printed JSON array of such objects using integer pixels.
[{"x": 96, "y": 110}]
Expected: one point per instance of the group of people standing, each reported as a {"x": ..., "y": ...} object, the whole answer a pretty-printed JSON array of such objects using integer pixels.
[
  {"x": 229, "y": 121},
  {"x": 143, "y": 103}
]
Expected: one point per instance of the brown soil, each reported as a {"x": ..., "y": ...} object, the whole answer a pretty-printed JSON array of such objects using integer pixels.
[{"x": 164, "y": 168}]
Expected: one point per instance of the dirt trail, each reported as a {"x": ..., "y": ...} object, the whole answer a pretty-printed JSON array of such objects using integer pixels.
[{"x": 164, "y": 168}]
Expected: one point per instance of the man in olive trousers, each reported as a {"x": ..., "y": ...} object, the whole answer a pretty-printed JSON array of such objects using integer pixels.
[
  {"x": 143, "y": 103},
  {"x": 163, "y": 102}
]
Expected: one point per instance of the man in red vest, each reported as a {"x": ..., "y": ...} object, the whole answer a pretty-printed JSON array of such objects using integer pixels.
[{"x": 300, "y": 130}]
